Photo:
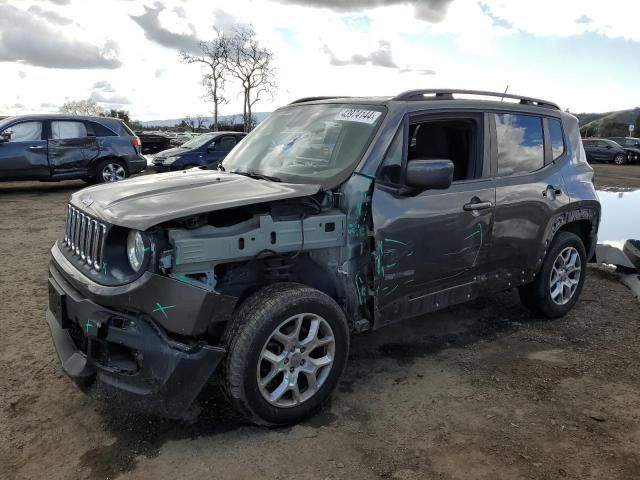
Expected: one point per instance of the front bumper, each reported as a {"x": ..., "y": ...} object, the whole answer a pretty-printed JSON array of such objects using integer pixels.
[{"x": 124, "y": 358}]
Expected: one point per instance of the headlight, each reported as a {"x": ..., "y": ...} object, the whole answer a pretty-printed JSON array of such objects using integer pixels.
[
  {"x": 135, "y": 249},
  {"x": 170, "y": 160}
]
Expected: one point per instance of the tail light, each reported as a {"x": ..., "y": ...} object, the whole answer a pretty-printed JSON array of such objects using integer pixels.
[{"x": 135, "y": 142}]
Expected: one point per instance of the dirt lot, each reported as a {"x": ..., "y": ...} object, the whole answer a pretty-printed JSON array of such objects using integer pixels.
[{"x": 480, "y": 391}]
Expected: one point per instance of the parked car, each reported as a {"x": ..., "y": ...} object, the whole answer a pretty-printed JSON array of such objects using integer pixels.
[
  {"x": 64, "y": 147},
  {"x": 604, "y": 150},
  {"x": 261, "y": 271},
  {"x": 181, "y": 138},
  {"x": 631, "y": 146},
  {"x": 207, "y": 149},
  {"x": 154, "y": 142}
]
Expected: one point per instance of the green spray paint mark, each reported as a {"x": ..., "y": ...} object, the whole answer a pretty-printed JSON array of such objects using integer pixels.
[
  {"x": 88, "y": 325},
  {"x": 478, "y": 231},
  {"x": 146, "y": 249},
  {"x": 392, "y": 240},
  {"x": 162, "y": 309},
  {"x": 104, "y": 267}
]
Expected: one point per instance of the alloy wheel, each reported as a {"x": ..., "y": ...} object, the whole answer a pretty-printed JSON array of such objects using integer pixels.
[
  {"x": 565, "y": 276},
  {"x": 296, "y": 360},
  {"x": 113, "y": 172}
]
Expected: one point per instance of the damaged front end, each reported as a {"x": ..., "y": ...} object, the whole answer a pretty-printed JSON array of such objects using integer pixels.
[{"x": 153, "y": 338}]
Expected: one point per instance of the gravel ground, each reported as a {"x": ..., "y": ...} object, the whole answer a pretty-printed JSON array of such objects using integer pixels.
[{"x": 480, "y": 391}]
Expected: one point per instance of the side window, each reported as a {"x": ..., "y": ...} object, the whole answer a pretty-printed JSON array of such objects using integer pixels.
[
  {"x": 226, "y": 144},
  {"x": 102, "y": 131},
  {"x": 520, "y": 143},
  {"x": 25, "y": 132},
  {"x": 67, "y": 129},
  {"x": 556, "y": 138},
  {"x": 391, "y": 168}
]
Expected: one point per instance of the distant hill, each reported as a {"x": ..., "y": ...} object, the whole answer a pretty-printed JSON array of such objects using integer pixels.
[
  {"x": 260, "y": 116},
  {"x": 599, "y": 120}
]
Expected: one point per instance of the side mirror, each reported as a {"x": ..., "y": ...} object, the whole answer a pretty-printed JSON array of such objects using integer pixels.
[
  {"x": 430, "y": 174},
  {"x": 5, "y": 136},
  {"x": 212, "y": 147}
]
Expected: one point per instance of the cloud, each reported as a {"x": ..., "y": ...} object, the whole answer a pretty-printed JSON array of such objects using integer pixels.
[
  {"x": 495, "y": 19},
  {"x": 149, "y": 21},
  {"x": 419, "y": 71},
  {"x": 27, "y": 39},
  {"x": 103, "y": 86},
  {"x": 584, "y": 19},
  {"x": 433, "y": 11},
  {"x": 60, "y": 2},
  {"x": 113, "y": 100},
  {"x": 22, "y": 74},
  {"x": 159, "y": 72},
  {"x": 49, "y": 16},
  {"x": 379, "y": 58}
]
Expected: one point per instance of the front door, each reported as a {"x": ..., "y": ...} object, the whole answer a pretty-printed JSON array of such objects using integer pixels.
[
  {"x": 24, "y": 153},
  {"x": 431, "y": 246},
  {"x": 71, "y": 148},
  {"x": 219, "y": 149}
]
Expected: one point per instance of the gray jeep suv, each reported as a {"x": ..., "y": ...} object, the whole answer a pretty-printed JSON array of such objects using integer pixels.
[{"x": 335, "y": 216}]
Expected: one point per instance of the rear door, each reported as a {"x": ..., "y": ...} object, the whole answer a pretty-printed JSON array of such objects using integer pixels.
[
  {"x": 431, "y": 246},
  {"x": 72, "y": 147},
  {"x": 24, "y": 155},
  {"x": 527, "y": 151}
]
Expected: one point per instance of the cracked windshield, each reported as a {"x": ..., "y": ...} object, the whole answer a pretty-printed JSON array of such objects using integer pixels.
[{"x": 306, "y": 144}]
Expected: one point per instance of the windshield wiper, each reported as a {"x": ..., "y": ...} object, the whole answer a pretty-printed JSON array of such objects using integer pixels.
[{"x": 257, "y": 175}]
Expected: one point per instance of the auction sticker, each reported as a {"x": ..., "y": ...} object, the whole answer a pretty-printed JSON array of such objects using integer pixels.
[{"x": 358, "y": 115}]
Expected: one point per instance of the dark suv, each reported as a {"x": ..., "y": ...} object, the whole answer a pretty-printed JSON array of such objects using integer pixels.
[
  {"x": 65, "y": 147},
  {"x": 335, "y": 216},
  {"x": 631, "y": 146},
  {"x": 207, "y": 149},
  {"x": 604, "y": 150}
]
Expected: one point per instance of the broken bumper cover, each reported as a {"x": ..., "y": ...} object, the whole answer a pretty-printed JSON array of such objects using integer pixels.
[{"x": 125, "y": 358}]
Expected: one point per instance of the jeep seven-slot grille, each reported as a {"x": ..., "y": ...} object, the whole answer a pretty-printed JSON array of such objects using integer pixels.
[{"x": 84, "y": 237}]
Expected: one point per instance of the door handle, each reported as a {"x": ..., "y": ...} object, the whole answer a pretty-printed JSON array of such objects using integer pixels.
[
  {"x": 36, "y": 148},
  {"x": 555, "y": 192},
  {"x": 474, "y": 206}
]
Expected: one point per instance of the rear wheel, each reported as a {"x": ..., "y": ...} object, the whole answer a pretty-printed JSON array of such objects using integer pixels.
[
  {"x": 620, "y": 159},
  {"x": 287, "y": 346},
  {"x": 111, "y": 170},
  {"x": 557, "y": 286}
]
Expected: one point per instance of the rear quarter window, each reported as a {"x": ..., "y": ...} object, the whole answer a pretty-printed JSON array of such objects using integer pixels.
[
  {"x": 102, "y": 131},
  {"x": 556, "y": 138}
]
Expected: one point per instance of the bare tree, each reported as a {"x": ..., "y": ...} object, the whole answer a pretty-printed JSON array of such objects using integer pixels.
[
  {"x": 252, "y": 65},
  {"x": 199, "y": 121},
  {"x": 189, "y": 122},
  {"x": 82, "y": 107},
  {"x": 213, "y": 56}
]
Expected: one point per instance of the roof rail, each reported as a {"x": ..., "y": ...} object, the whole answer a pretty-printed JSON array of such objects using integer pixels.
[
  {"x": 447, "y": 94},
  {"x": 313, "y": 99}
]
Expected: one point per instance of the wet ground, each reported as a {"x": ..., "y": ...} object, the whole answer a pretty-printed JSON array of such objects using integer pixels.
[{"x": 479, "y": 391}]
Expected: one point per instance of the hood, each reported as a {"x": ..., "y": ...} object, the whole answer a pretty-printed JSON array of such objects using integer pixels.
[
  {"x": 171, "y": 152},
  {"x": 149, "y": 200}
]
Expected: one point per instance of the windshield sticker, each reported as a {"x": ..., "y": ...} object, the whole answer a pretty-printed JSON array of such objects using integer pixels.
[{"x": 357, "y": 115}]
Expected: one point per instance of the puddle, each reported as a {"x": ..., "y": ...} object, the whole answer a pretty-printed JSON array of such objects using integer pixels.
[{"x": 620, "y": 222}]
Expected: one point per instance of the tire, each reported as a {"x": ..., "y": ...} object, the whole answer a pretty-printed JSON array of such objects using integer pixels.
[
  {"x": 110, "y": 170},
  {"x": 538, "y": 297},
  {"x": 273, "y": 312},
  {"x": 620, "y": 159}
]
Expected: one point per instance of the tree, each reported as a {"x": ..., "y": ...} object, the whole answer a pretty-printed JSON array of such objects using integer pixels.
[
  {"x": 252, "y": 65},
  {"x": 199, "y": 121},
  {"x": 82, "y": 107},
  {"x": 213, "y": 56}
]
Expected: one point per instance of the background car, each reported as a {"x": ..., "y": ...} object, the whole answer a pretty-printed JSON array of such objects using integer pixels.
[
  {"x": 604, "y": 150},
  {"x": 64, "y": 147},
  {"x": 207, "y": 149},
  {"x": 631, "y": 145}
]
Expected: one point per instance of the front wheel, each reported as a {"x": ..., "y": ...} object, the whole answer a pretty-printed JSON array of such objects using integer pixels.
[
  {"x": 287, "y": 346},
  {"x": 620, "y": 159},
  {"x": 558, "y": 284}
]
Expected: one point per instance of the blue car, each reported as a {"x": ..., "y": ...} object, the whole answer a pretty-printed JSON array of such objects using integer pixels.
[{"x": 208, "y": 149}]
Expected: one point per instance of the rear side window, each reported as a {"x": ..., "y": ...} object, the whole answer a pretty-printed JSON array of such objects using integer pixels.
[
  {"x": 102, "y": 131},
  {"x": 67, "y": 129},
  {"x": 25, "y": 132},
  {"x": 520, "y": 143},
  {"x": 556, "y": 138}
]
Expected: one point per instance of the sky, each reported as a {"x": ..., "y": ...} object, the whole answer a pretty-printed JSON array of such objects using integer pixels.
[{"x": 123, "y": 54}]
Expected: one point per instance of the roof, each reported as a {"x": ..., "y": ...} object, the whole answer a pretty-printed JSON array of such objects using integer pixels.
[{"x": 60, "y": 116}]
